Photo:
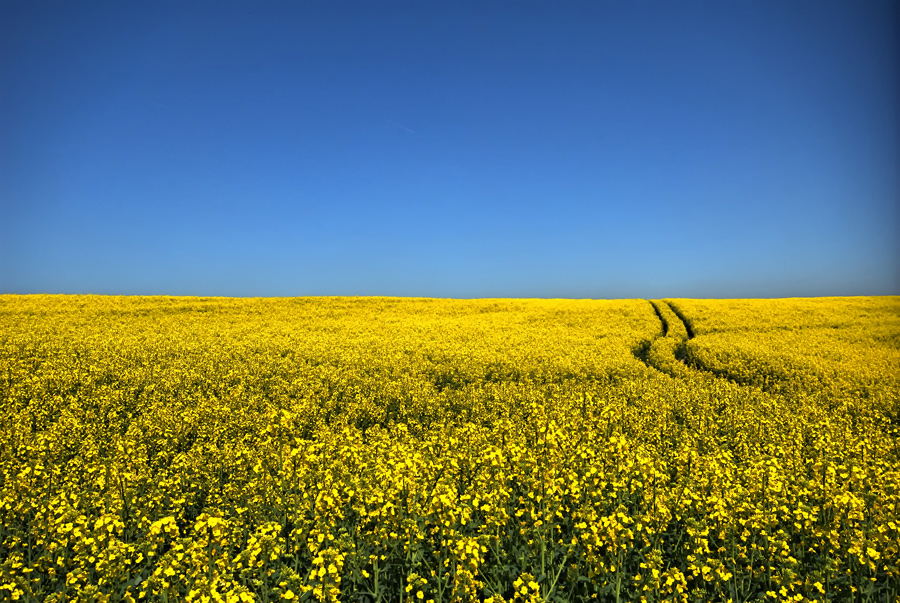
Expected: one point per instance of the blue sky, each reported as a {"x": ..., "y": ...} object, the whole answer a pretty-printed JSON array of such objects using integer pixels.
[{"x": 491, "y": 149}]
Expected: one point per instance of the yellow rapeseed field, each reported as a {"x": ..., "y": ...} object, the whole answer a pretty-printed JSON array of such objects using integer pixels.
[{"x": 392, "y": 450}]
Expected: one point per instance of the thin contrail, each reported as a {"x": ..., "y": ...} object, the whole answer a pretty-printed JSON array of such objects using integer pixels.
[{"x": 403, "y": 127}]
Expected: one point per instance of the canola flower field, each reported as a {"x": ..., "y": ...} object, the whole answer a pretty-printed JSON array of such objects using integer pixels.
[{"x": 402, "y": 450}]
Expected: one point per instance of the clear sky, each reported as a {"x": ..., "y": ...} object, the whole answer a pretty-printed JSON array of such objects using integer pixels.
[{"x": 450, "y": 149}]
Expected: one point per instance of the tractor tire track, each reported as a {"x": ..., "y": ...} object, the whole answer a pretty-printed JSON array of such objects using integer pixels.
[
  {"x": 687, "y": 324},
  {"x": 667, "y": 353},
  {"x": 665, "y": 323},
  {"x": 659, "y": 353}
]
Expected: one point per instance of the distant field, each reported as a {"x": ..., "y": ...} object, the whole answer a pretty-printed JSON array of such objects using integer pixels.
[{"x": 383, "y": 449}]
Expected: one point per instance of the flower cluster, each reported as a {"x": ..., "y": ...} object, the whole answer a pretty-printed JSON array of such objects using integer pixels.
[{"x": 377, "y": 449}]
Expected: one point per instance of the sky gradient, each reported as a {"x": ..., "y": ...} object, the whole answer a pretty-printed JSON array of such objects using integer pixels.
[{"x": 499, "y": 149}]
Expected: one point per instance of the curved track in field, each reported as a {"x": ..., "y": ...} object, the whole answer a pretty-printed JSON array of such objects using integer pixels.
[
  {"x": 665, "y": 352},
  {"x": 687, "y": 325}
]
